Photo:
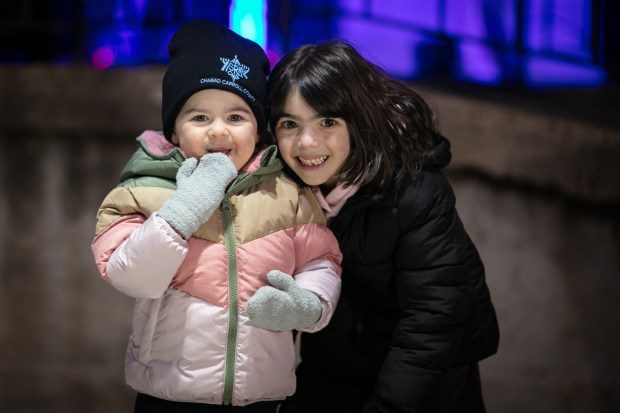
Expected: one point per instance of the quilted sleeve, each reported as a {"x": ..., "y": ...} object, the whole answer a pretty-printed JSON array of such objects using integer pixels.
[{"x": 138, "y": 256}]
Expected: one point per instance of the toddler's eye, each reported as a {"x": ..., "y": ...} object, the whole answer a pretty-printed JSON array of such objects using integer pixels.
[
  {"x": 328, "y": 122},
  {"x": 200, "y": 118},
  {"x": 235, "y": 118},
  {"x": 288, "y": 124}
]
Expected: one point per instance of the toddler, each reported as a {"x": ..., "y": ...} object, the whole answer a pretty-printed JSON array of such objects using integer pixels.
[{"x": 226, "y": 259}]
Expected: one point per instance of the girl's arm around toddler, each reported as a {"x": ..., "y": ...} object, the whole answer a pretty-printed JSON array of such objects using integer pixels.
[{"x": 307, "y": 300}]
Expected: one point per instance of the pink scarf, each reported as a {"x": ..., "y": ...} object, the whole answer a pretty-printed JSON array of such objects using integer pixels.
[{"x": 335, "y": 200}]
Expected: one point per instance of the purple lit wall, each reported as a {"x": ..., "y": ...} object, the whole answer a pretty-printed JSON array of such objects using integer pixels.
[
  {"x": 133, "y": 32},
  {"x": 558, "y": 39},
  {"x": 484, "y": 34},
  {"x": 536, "y": 43}
]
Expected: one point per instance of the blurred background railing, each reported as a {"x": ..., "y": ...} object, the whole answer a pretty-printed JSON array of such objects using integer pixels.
[{"x": 526, "y": 90}]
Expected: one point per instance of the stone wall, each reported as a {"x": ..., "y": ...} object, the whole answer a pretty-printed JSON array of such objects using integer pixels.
[{"x": 536, "y": 189}]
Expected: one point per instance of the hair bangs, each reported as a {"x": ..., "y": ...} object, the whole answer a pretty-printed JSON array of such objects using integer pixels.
[{"x": 320, "y": 91}]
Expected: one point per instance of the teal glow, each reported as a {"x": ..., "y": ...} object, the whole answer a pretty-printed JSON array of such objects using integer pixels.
[{"x": 248, "y": 18}]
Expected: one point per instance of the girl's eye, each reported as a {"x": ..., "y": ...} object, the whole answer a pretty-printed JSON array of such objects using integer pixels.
[
  {"x": 328, "y": 122},
  {"x": 235, "y": 118},
  {"x": 200, "y": 118},
  {"x": 288, "y": 124}
]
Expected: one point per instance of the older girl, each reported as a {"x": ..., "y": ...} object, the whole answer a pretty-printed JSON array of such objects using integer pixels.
[{"x": 415, "y": 315}]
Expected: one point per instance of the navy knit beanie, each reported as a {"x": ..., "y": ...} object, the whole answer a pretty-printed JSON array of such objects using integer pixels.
[{"x": 205, "y": 55}]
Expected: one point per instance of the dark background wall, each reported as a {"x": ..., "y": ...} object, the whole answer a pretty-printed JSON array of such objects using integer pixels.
[{"x": 534, "y": 171}]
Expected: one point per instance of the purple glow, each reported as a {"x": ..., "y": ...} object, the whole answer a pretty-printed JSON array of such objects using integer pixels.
[
  {"x": 478, "y": 63},
  {"x": 164, "y": 40},
  {"x": 559, "y": 26},
  {"x": 274, "y": 57},
  {"x": 424, "y": 13},
  {"x": 139, "y": 5},
  {"x": 119, "y": 14},
  {"x": 102, "y": 58},
  {"x": 483, "y": 19},
  {"x": 391, "y": 48},
  {"x": 543, "y": 72},
  {"x": 133, "y": 46},
  {"x": 130, "y": 10},
  {"x": 356, "y": 6}
]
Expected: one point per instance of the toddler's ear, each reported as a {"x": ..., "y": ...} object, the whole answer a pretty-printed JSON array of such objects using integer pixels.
[{"x": 174, "y": 138}]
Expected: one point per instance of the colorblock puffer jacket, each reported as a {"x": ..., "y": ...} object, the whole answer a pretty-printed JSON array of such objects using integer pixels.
[{"x": 191, "y": 338}]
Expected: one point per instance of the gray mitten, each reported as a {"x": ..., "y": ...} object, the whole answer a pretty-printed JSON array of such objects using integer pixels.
[
  {"x": 200, "y": 190},
  {"x": 283, "y": 306}
]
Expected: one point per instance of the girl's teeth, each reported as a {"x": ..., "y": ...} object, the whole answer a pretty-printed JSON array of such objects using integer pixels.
[{"x": 313, "y": 162}]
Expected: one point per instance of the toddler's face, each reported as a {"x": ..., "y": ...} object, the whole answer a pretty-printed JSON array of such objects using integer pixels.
[
  {"x": 314, "y": 146},
  {"x": 215, "y": 120}
]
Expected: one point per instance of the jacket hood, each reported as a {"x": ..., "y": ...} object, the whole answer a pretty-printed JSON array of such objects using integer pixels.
[
  {"x": 440, "y": 157},
  {"x": 155, "y": 158},
  {"x": 441, "y": 154},
  {"x": 156, "y": 162}
]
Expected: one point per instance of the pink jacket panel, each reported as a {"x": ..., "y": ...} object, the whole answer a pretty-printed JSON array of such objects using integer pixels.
[
  {"x": 204, "y": 272},
  {"x": 105, "y": 243},
  {"x": 313, "y": 241}
]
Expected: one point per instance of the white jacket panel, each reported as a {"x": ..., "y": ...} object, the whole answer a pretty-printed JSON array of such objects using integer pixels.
[
  {"x": 321, "y": 276},
  {"x": 178, "y": 352},
  {"x": 145, "y": 263}
]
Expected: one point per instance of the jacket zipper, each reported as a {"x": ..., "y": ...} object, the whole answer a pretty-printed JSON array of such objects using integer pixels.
[
  {"x": 233, "y": 308},
  {"x": 233, "y": 312}
]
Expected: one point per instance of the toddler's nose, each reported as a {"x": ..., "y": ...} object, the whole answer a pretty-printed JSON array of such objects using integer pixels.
[{"x": 217, "y": 129}]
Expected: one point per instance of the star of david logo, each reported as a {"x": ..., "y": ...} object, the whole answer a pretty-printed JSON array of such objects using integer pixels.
[{"x": 234, "y": 68}]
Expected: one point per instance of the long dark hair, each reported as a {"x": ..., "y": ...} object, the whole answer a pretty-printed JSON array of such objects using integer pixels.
[{"x": 392, "y": 129}]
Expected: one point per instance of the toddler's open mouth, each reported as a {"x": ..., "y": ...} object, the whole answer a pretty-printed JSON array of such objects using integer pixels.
[{"x": 225, "y": 151}]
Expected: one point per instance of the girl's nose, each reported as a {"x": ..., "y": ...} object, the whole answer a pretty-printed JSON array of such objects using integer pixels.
[{"x": 306, "y": 140}]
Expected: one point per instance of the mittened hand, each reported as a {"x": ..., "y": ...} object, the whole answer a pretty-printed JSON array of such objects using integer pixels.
[
  {"x": 283, "y": 306},
  {"x": 200, "y": 190}
]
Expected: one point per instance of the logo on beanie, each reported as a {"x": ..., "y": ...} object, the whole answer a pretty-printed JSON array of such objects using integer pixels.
[{"x": 234, "y": 68}]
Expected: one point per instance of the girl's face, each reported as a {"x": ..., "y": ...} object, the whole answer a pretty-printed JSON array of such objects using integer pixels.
[
  {"x": 215, "y": 120},
  {"x": 314, "y": 147}
]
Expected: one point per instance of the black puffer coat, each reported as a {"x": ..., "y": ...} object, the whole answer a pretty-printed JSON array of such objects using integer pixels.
[{"x": 414, "y": 302}]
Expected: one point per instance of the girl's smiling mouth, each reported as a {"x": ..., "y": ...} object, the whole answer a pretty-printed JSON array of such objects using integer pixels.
[{"x": 318, "y": 161}]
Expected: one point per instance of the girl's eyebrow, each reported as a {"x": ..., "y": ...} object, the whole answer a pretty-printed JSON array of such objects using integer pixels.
[{"x": 288, "y": 115}]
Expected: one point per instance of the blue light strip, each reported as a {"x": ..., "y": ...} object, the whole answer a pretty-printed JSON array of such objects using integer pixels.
[{"x": 248, "y": 18}]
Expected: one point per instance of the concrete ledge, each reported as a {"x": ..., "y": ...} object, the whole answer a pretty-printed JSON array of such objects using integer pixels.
[
  {"x": 576, "y": 157},
  {"x": 526, "y": 145},
  {"x": 79, "y": 100}
]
